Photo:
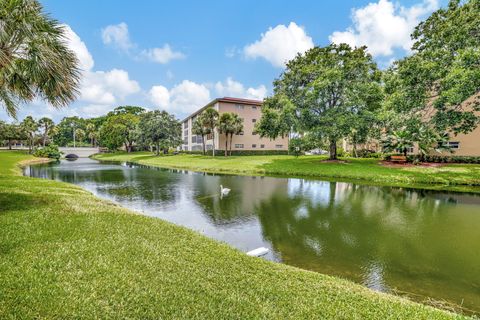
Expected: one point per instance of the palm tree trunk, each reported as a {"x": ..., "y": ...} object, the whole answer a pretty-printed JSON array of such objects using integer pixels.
[
  {"x": 226, "y": 144},
  {"x": 203, "y": 143},
  {"x": 231, "y": 140},
  {"x": 213, "y": 138}
]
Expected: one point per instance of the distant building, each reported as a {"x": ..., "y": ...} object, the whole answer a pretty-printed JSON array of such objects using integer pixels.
[{"x": 249, "y": 111}]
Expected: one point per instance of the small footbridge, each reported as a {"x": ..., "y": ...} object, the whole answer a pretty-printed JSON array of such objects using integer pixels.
[{"x": 80, "y": 152}]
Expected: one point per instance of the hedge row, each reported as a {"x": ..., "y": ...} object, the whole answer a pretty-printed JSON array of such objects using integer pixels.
[
  {"x": 445, "y": 159},
  {"x": 242, "y": 152}
]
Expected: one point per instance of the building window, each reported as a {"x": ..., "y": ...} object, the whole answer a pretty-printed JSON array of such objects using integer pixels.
[
  {"x": 254, "y": 133},
  {"x": 279, "y": 146},
  {"x": 254, "y": 145},
  {"x": 254, "y": 120},
  {"x": 240, "y": 133},
  {"x": 185, "y": 140},
  {"x": 262, "y": 146},
  {"x": 453, "y": 144},
  {"x": 239, "y": 107},
  {"x": 254, "y": 107},
  {"x": 239, "y": 145},
  {"x": 185, "y": 133},
  {"x": 185, "y": 125},
  {"x": 409, "y": 150},
  {"x": 209, "y": 136}
]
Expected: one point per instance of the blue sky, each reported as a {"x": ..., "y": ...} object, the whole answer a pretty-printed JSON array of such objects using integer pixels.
[{"x": 178, "y": 55}]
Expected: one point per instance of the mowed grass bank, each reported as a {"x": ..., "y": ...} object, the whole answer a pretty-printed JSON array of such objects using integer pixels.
[
  {"x": 67, "y": 254},
  {"x": 456, "y": 177}
]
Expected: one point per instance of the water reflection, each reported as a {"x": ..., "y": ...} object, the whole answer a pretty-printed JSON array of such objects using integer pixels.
[{"x": 416, "y": 241}]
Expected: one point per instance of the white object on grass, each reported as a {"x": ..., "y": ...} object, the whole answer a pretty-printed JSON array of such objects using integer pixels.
[{"x": 258, "y": 252}]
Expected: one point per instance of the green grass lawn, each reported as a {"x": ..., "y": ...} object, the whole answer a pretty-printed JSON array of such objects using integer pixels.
[
  {"x": 459, "y": 177},
  {"x": 67, "y": 254}
]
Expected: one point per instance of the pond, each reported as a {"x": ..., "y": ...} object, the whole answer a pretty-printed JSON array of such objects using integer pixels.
[{"x": 414, "y": 242}]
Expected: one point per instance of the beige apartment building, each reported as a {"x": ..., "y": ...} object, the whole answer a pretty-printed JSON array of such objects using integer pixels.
[{"x": 249, "y": 110}]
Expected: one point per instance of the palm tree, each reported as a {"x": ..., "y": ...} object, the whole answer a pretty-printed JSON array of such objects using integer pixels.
[
  {"x": 35, "y": 60},
  {"x": 91, "y": 132},
  {"x": 30, "y": 127},
  {"x": 80, "y": 135},
  {"x": 210, "y": 121},
  {"x": 237, "y": 126},
  {"x": 200, "y": 129},
  {"x": 226, "y": 127},
  {"x": 400, "y": 140},
  {"x": 47, "y": 125}
]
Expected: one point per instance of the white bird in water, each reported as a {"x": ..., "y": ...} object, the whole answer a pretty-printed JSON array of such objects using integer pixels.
[{"x": 224, "y": 191}]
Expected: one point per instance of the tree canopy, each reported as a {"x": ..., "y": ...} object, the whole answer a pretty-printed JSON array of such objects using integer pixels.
[
  {"x": 159, "y": 129},
  {"x": 35, "y": 60},
  {"x": 324, "y": 91}
]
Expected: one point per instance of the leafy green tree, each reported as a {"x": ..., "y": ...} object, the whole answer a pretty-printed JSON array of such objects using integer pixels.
[
  {"x": 35, "y": 60},
  {"x": 199, "y": 128},
  {"x": 226, "y": 127},
  {"x": 123, "y": 125},
  {"x": 65, "y": 128},
  {"x": 323, "y": 91},
  {"x": 435, "y": 83},
  {"x": 30, "y": 127},
  {"x": 134, "y": 110},
  {"x": 210, "y": 121},
  {"x": 11, "y": 132},
  {"x": 160, "y": 129},
  {"x": 47, "y": 126},
  {"x": 111, "y": 135}
]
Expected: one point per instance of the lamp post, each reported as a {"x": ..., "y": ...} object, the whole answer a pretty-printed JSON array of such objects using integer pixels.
[{"x": 73, "y": 128}]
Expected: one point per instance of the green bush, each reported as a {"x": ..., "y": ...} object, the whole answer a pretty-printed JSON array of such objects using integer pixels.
[
  {"x": 221, "y": 153},
  {"x": 50, "y": 151},
  {"x": 296, "y": 146},
  {"x": 445, "y": 159}
]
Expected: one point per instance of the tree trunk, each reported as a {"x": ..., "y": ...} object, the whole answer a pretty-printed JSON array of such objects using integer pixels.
[
  {"x": 231, "y": 140},
  {"x": 355, "y": 150},
  {"x": 9, "y": 144},
  {"x": 127, "y": 148},
  {"x": 157, "y": 149},
  {"x": 44, "y": 139},
  {"x": 333, "y": 150},
  {"x": 203, "y": 143},
  {"x": 405, "y": 152},
  {"x": 213, "y": 138},
  {"x": 226, "y": 144}
]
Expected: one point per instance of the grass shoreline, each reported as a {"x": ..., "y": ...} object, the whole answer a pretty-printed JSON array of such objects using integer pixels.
[
  {"x": 452, "y": 177},
  {"x": 66, "y": 254}
]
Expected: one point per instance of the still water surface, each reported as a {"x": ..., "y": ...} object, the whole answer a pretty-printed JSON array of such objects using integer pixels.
[{"x": 412, "y": 241}]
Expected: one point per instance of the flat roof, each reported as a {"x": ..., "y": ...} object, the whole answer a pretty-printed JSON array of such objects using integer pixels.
[{"x": 226, "y": 99}]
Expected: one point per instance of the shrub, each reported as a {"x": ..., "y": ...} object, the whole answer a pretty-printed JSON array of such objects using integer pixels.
[
  {"x": 296, "y": 146},
  {"x": 221, "y": 153},
  {"x": 50, "y": 151},
  {"x": 445, "y": 159}
]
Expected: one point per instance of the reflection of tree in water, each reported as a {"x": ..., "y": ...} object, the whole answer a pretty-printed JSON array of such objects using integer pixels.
[
  {"x": 380, "y": 236},
  {"x": 240, "y": 205}
]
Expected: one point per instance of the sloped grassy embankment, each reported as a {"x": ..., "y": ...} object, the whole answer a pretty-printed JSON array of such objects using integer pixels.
[{"x": 67, "y": 254}]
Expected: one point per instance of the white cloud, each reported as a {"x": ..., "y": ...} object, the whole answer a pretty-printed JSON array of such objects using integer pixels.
[
  {"x": 384, "y": 26},
  {"x": 163, "y": 55},
  {"x": 78, "y": 46},
  {"x": 280, "y": 44},
  {"x": 160, "y": 96},
  {"x": 118, "y": 36},
  {"x": 232, "y": 88},
  {"x": 99, "y": 87},
  {"x": 184, "y": 98}
]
